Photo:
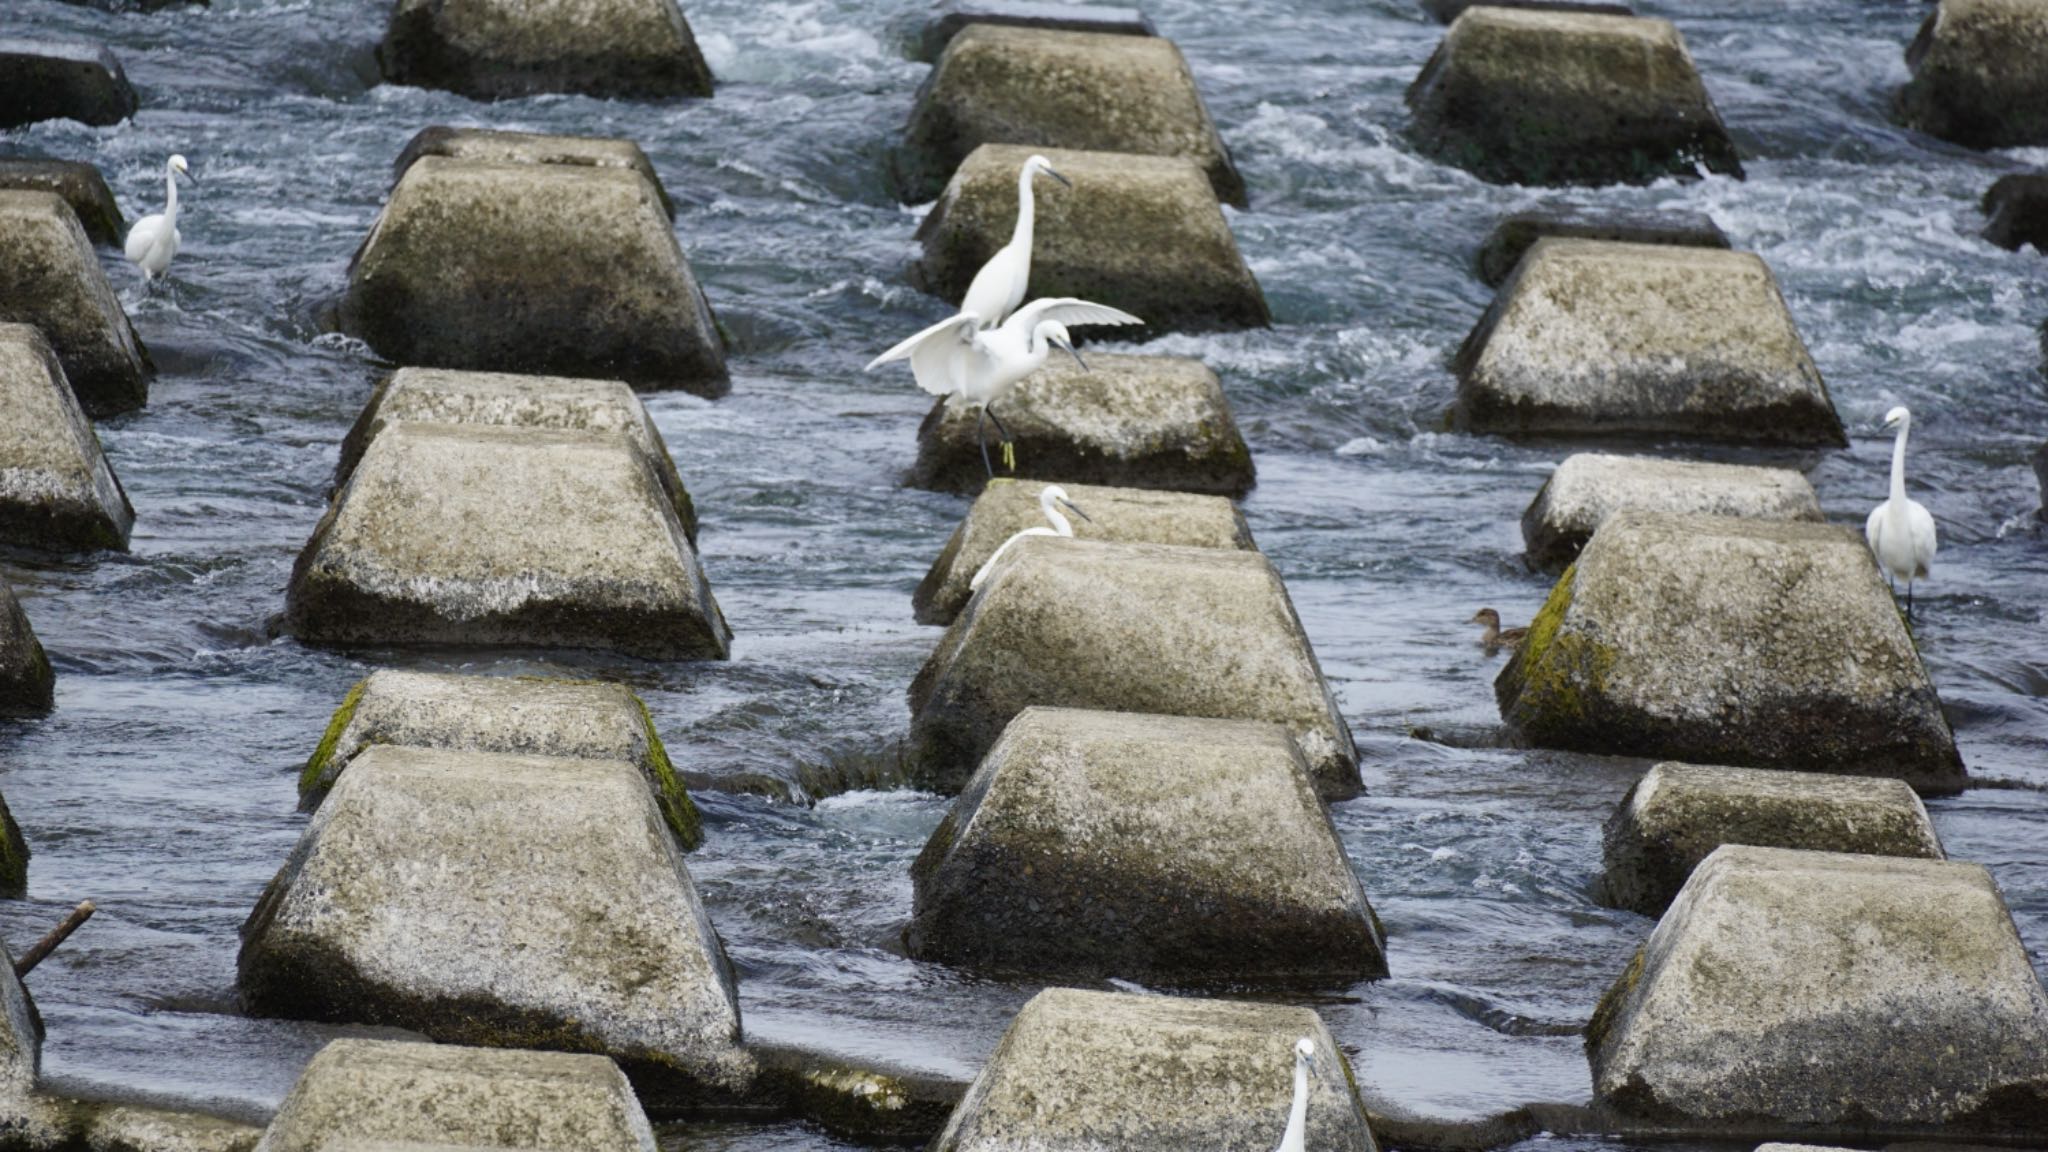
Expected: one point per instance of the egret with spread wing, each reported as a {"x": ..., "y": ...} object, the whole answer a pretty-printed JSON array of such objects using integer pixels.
[{"x": 968, "y": 364}]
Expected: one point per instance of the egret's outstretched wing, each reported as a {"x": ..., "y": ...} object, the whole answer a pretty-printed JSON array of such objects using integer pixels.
[
  {"x": 936, "y": 353},
  {"x": 1069, "y": 311}
]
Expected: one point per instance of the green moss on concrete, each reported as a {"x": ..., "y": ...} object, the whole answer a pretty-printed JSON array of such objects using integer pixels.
[
  {"x": 676, "y": 805},
  {"x": 1543, "y": 690},
  {"x": 1610, "y": 1004},
  {"x": 13, "y": 855},
  {"x": 310, "y": 785}
]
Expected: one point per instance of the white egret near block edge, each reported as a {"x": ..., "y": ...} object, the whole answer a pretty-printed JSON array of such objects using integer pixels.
[
  {"x": 967, "y": 364},
  {"x": 999, "y": 287},
  {"x": 154, "y": 239},
  {"x": 1295, "y": 1138},
  {"x": 1049, "y": 501},
  {"x": 1900, "y": 530}
]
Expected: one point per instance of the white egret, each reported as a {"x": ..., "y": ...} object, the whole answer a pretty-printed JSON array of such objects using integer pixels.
[
  {"x": 1295, "y": 1138},
  {"x": 959, "y": 359},
  {"x": 1049, "y": 501},
  {"x": 1000, "y": 285},
  {"x": 154, "y": 239},
  {"x": 1900, "y": 530}
]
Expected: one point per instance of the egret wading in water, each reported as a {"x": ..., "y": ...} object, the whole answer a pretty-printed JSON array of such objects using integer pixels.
[
  {"x": 1000, "y": 285},
  {"x": 1049, "y": 501},
  {"x": 154, "y": 239},
  {"x": 1900, "y": 530},
  {"x": 1295, "y": 1138},
  {"x": 968, "y": 364}
]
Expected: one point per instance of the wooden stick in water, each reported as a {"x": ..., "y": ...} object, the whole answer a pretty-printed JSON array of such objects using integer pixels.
[{"x": 48, "y": 944}]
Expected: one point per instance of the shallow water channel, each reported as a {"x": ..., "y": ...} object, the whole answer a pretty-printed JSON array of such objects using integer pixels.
[{"x": 163, "y": 784}]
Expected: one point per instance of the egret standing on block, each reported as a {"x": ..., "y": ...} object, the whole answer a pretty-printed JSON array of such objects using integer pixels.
[
  {"x": 959, "y": 359},
  {"x": 1048, "y": 503},
  {"x": 154, "y": 239},
  {"x": 1900, "y": 530},
  {"x": 1295, "y": 1138},
  {"x": 1000, "y": 285}
]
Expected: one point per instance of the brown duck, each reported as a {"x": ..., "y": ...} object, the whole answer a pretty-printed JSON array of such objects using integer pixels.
[{"x": 1497, "y": 637}]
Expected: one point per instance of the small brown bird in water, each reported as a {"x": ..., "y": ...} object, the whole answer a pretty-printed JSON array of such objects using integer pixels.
[{"x": 1497, "y": 637}]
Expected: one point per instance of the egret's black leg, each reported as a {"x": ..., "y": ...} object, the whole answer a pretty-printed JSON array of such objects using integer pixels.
[
  {"x": 1909, "y": 601},
  {"x": 981, "y": 439}
]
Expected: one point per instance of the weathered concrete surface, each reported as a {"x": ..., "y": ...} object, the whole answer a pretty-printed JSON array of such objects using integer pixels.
[
  {"x": 856, "y": 1100},
  {"x": 950, "y": 16},
  {"x": 1980, "y": 73},
  {"x": 61, "y": 80},
  {"x": 79, "y": 184},
  {"x": 1080, "y": 91},
  {"x": 1122, "y": 515},
  {"x": 1159, "y": 422},
  {"x": 473, "y": 534},
  {"x": 1519, "y": 96},
  {"x": 2018, "y": 207},
  {"x": 1445, "y": 11},
  {"x": 56, "y": 489},
  {"x": 1715, "y": 640},
  {"x": 1589, "y": 487},
  {"x": 507, "y": 901},
  {"x": 1124, "y": 628},
  {"x": 385, "y": 1091},
  {"x": 21, "y": 1040},
  {"x": 1155, "y": 848},
  {"x": 492, "y": 146},
  {"x": 1080, "y": 1071},
  {"x": 128, "y": 1128},
  {"x": 1595, "y": 338},
  {"x": 585, "y": 278},
  {"x": 1140, "y": 233},
  {"x": 1677, "y": 814},
  {"x": 1830, "y": 996},
  {"x": 447, "y": 396},
  {"x": 13, "y": 855},
  {"x": 494, "y": 49},
  {"x": 52, "y": 279},
  {"x": 524, "y": 715},
  {"x": 1517, "y": 233},
  {"x": 27, "y": 684}
]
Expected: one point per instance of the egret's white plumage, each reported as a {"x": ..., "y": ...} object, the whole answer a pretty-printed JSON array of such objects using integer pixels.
[
  {"x": 1000, "y": 285},
  {"x": 968, "y": 364},
  {"x": 1049, "y": 501},
  {"x": 1295, "y": 1138},
  {"x": 154, "y": 239},
  {"x": 1900, "y": 530}
]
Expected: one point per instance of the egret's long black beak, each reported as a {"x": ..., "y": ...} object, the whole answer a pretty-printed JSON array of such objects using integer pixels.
[
  {"x": 1076, "y": 510},
  {"x": 187, "y": 174},
  {"x": 1072, "y": 352},
  {"x": 1057, "y": 176}
]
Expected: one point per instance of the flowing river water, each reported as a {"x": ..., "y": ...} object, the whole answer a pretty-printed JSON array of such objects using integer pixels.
[{"x": 163, "y": 784}]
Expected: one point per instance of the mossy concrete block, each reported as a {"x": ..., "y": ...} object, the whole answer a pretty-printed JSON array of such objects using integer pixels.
[
  {"x": 493, "y": 146},
  {"x": 950, "y": 16},
  {"x": 1589, "y": 487},
  {"x": 584, "y": 278},
  {"x": 1159, "y": 422},
  {"x": 1140, "y": 233},
  {"x": 1522, "y": 96},
  {"x": 57, "y": 491},
  {"x": 496, "y": 49},
  {"x": 79, "y": 184},
  {"x": 1715, "y": 640},
  {"x": 21, "y": 1041},
  {"x": 1518, "y": 232},
  {"x": 13, "y": 855},
  {"x": 1164, "y": 849},
  {"x": 1081, "y": 1071},
  {"x": 27, "y": 683},
  {"x": 1595, "y": 338},
  {"x": 2018, "y": 208},
  {"x": 51, "y": 278},
  {"x": 1980, "y": 73},
  {"x": 382, "y": 1091},
  {"x": 130, "y": 1128},
  {"x": 1677, "y": 814},
  {"x": 61, "y": 80},
  {"x": 447, "y": 396},
  {"x": 1075, "y": 91},
  {"x": 1123, "y": 515},
  {"x": 1832, "y": 997},
  {"x": 505, "y": 901},
  {"x": 482, "y": 535},
  {"x": 1445, "y": 11},
  {"x": 1151, "y": 628},
  {"x": 524, "y": 715}
]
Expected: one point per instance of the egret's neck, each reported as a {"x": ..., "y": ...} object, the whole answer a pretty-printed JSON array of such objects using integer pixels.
[
  {"x": 1297, "y": 1116},
  {"x": 170, "y": 194},
  {"x": 1899, "y": 466},
  {"x": 1027, "y": 208},
  {"x": 1059, "y": 522}
]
